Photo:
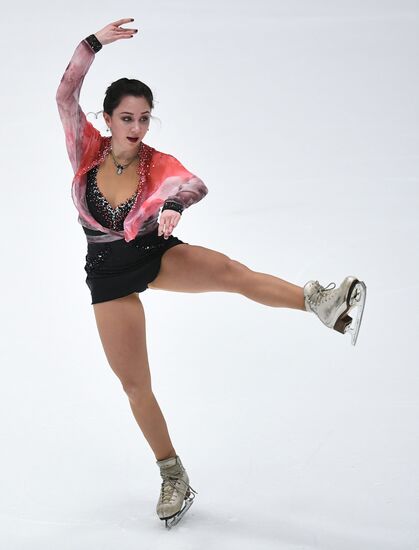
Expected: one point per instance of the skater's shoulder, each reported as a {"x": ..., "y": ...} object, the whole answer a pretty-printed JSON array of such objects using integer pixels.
[
  {"x": 163, "y": 160},
  {"x": 160, "y": 156}
]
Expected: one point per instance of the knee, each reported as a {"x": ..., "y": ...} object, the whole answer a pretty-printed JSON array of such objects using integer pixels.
[
  {"x": 137, "y": 393},
  {"x": 235, "y": 273}
]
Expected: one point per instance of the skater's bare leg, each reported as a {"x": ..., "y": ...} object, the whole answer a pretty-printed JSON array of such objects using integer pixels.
[
  {"x": 271, "y": 291},
  {"x": 190, "y": 268},
  {"x": 121, "y": 326}
]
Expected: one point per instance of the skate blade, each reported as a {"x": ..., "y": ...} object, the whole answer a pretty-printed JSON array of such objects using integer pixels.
[
  {"x": 171, "y": 522},
  {"x": 356, "y": 300}
]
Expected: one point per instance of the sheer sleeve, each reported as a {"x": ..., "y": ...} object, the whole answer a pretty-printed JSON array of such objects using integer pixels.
[
  {"x": 189, "y": 189},
  {"x": 168, "y": 181},
  {"x": 79, "y": 132}
]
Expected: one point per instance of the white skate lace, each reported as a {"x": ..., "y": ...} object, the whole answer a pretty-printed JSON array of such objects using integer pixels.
[
  {"x": 169, "y": 486},
  {"x": 320, "y": 293}
]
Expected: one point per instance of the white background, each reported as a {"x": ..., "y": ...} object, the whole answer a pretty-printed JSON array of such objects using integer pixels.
[{"x": 302, "y": 119}]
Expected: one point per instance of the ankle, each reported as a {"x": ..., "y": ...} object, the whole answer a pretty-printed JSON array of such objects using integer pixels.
[{"x": 172, "y": 454}]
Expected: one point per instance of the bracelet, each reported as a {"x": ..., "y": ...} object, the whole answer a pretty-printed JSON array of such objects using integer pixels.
[
  {"x": 94, "y": 43},
  {"x": 172, "y": 205}
]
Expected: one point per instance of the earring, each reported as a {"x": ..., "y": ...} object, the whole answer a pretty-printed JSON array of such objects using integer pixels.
[{"x": 108, "y": 129}]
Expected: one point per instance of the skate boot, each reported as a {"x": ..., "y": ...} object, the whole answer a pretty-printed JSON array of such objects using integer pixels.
[
  {"x": 332, "y": 305},
  {"x": 175, "y": 491}
]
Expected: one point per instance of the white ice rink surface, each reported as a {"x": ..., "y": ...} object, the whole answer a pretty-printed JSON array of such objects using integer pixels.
[{"x": 302, "y": 119}]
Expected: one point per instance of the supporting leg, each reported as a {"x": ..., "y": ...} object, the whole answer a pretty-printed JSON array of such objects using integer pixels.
[
  {"x": 152, "y": 423},
  {"x": 122, "y": 329}
]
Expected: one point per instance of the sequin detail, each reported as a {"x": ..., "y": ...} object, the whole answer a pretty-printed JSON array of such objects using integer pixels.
[
  {"x": 93, "y": 261},
  {"x": 101, "y": 210},
  {"x": 172, "y": 205},
  {"x": 149, "y": 247},
  {"x": 94, "y": 43},
  {"x": 145, "y": 154}
]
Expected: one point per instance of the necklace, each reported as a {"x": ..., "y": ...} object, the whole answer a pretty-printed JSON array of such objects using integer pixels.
[{"x": 120, "y": 167}]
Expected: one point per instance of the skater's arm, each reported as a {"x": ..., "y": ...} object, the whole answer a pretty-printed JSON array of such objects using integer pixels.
[
  {"x": 190, "y": 188},
  {"x": 72, "y": 117},
  {"x": 179, "y": 188},
  {"x": 79, "y": 132}
]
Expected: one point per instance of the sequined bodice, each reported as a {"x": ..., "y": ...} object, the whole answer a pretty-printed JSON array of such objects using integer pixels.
[{"x": 100, "y": 208}]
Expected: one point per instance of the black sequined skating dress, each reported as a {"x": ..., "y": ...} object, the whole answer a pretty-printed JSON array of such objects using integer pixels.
[{"x": 118, "y": 268}]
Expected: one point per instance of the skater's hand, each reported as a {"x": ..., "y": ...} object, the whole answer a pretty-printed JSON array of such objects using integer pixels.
[
  {"x": 167, "y": 222},
  {"x": 113, "y": 32}
]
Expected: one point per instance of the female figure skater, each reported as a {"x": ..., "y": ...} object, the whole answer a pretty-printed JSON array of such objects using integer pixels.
[{"x": 119, "y": 186}]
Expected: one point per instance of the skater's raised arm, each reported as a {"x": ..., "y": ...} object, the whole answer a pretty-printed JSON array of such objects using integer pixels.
[{"x": 79, "y": 133}]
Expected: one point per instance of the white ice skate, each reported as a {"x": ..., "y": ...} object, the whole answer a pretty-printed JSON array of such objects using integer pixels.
[
  {"x": 175, "y": 491},
  {"x": 333, "y": 305}
]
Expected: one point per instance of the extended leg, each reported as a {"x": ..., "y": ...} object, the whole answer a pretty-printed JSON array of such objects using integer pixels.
[
  {"x": 190, "y": 268},
  {"x": 270, "y": 290}
]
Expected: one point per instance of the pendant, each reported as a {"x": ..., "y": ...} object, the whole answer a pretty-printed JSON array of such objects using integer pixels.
[{"x": 119, "y": 170}]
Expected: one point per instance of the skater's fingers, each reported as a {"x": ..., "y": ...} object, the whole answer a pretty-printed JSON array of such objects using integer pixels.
[
  {"x": 162, "y": 228},
  {"x": 113, "y": 32},
  {"x": 120, "y": 29},
  {"x": 174, "y": 221},
  {"x": 171, "y": 220},
  {"x": 168, "y": 230},
  {"x": 122, "y": 21}
]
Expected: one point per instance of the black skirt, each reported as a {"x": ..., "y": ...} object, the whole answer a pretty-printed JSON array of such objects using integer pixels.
[{"x": 119, "y": 268}]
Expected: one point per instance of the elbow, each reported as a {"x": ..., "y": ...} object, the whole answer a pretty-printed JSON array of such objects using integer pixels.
[
  {"x": 203, "y": 189},
  {"x": 65, "y": 88},
  {"x": 200, "y": 186},
  {"x": 60, "y": 95},
  {"x": 64, "y": 98}
]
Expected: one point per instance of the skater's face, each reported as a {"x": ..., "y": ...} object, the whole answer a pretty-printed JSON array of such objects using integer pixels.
[{"x": 130, "y": 119}]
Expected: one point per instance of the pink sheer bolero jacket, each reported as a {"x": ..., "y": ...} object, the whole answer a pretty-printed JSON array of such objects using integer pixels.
[{"x": 162, "y": 176}]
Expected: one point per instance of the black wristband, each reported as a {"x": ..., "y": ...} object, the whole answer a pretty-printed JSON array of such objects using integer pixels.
[
  {"x": 172, "y": 205},
  {"x": 94, "y": 43}
]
